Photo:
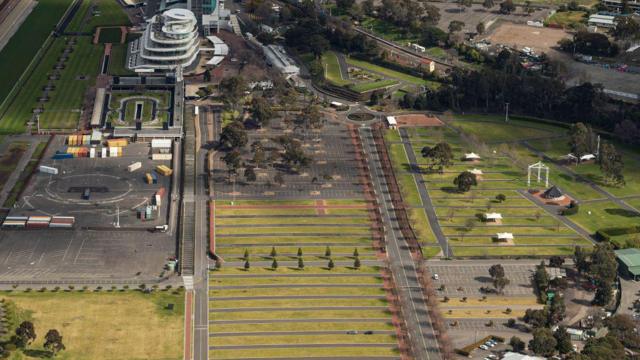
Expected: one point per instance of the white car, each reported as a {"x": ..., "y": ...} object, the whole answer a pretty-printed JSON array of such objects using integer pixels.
[
  {"x": 436, "y": 277},
  {"x": 484, "y": 347},
  {"x": 492, "y": 356}
]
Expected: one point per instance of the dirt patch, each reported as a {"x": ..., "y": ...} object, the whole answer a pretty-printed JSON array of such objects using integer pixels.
[
  {"x": 520, "y": 36},
  {"x": 9, "y": 161},
  {"x": 421, "y": 120}
]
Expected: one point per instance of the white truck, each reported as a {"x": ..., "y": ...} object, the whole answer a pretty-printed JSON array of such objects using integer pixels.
[
  {"x": 48, "y": 170},
  {"x": 135, "y": 166}
]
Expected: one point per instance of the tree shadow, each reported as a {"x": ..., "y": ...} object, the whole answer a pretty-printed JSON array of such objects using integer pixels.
[
  {"x": 483, "y": 279},
  {"x": 37, "y": 353},
  {"x": 450, "y": 190},
  {"x": 622, "y": 212}
]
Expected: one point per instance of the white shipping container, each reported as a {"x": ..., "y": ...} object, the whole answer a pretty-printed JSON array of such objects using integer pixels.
[
  {"x": 48, "y": 170},
  {"x": 161, "y": 143},
  {"x": 104, "y": 152},
  {"x": 135, "y": 166},
  {"x": 158, "y": 200},
  {"x": 92, "y": 152},
  {"x": 161, "y": 156},
  {"x": 114, "y": 152}
]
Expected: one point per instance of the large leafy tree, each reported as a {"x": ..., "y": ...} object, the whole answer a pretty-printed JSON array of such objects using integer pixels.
[
  {"x": 611, "y": 164},
  {"x": 53, "y": 341},
  {"x": 261, "y": 111},
  {"x": 25, "y": 334},
  {"x": 563, "y": 340},
  {"x": 543, "y": 342},
  {"x": 465, "y": 181},
  {"x": 582, "y": 139},
  {"x": 233, "y": 136},
  {"x": 623, "y": 328},
  {"x": 439, "y": 156}
]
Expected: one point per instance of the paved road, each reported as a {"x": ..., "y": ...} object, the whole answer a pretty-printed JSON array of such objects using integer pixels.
[
  {"x": 269, "y": 321},
  {"x": 424, "y": 196},
  {"x": 278, "y": 333},
  {"x": 289, "y": 346},
  {"x": 414, "y": 307},
  {"x": 200, "y": 279}
]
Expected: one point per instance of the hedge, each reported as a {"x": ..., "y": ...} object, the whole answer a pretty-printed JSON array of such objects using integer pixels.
[
  {"x": 606, "y": 233},
  {"x": 571, "y": 210}
]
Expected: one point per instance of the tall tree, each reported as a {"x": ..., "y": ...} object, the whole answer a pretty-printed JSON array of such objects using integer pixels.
[
  {"x": 507, "y": 7},
  {"x": 53, "y": 341},
  {"x": 611, "y": 164},
  {"x": 464, "y": 181},
  {"x": 582, "y": 139},
  {"x": 580, "y": 258},
  {"x": 232, "y": 89},
  {"x": 563, "y": 340},
  {"x": 517, "y": 345},
  {"x": 233, "y": 136},
  {"x": 25, "y": 334},
  {"x": 543, "y": 342},
  {"x": 261, "y": 111},
  {"x": 604, "y": 266},
  {"x": 541, "y": 278},
  {"x": 455, "y": 26},
  {"x": 250, "y": 174},
  {"x": 233, "y": 161},
  {"x": 623, "y": 327}
]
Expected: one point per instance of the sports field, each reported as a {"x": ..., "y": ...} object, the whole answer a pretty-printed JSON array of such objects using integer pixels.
[
  {"x": 102, "y": 325},
  {"x": 26, "y": 42},
  {"x": 298, "y": 311}
]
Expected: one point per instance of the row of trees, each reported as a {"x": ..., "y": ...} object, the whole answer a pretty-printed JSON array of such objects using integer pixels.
[
  {"x": 25, "y": 334},
  {"x": 601, "y": 265}
]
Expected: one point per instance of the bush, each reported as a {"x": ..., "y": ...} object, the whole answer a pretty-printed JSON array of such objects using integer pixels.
[{"x": 572, "y": 209}]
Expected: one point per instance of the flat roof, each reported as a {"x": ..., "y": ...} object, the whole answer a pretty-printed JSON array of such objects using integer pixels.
[{"x": 631, "y": 258}]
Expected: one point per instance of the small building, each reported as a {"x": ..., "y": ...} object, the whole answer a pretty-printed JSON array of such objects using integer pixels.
[
  {"x": 605, "y": 21},
  {"x": 471, "y": 157},
  {"x": 278, "y": 58},
  {"x": 392, "y": 122},
  {"x": 504, "y": 236},
  {"x": 629, "y": 262},
  {"x": 493, "y": 217},
  {"x": 587, "y": 157},
  {"x": 517, "y": 356},
  {"x": 556, "y": 273},
  {"x": 553, "y": 193}
]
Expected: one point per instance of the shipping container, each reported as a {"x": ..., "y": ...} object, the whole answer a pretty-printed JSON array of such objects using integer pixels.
[
  {"x": 86, "y": 139},
  {"x": 117, "y": 142},
  {"x": 62, "y": 156},
  {"x": 148, "y": 178},
  {"x": 161, "y": 156},
  {"x": 104, "y": 152},
  {"x": 164, "y": 170},
  {"x": 14, "y": 223},
  {"x": 135, "y": 166},
  {"x": 17, "y": 218},
  {"x": 154, "y": 177},
  {"x": 161, "y": 143},
  {"x": 48, "y": 170},
  {"x": 158, "y": 200},
  {"x": 92, "y": 153}
]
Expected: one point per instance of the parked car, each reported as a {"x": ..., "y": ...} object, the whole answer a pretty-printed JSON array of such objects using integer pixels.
[
  {"x": 352, "y": 332},
  {"x": 436, "y": 277},
  {"x": 484, "y": 347}
]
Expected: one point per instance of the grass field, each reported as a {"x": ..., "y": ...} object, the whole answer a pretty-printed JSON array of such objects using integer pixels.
[
  {"x": 392, "y": 73},
  {"x": 118, "y": 61},
  {"x": 373, "y": 85},
  {"x": 295, "y": 294},
  {"x": 24, "y": 44},
  {"x": 10, "y": 159},
  {"x": 110, "y": 35},
  {"x": 118, "y": 325},
  {"x": 332, "y": 69},
  {"x": 567, "y": 19},
  {"x": 26, "y": 172},
  {"x": 104, "y": 13}
]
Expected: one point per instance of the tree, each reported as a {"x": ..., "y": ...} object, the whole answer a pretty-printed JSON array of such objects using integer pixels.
[
  {"x": 330, "y": 264},
  {"x": 246, "y": 254},
  {"x": 465, "y": 180},
  {"x": 432, "y": 14},
  {"x": 279, "y": 179},
  {"x": 300, "y": 263},
  {"x": 557, "y": 309},
  {"x": 563, "y": 340},
  {"x": 604, "y": 266},
  {"x": 500, "y": 284},
  {"x": 604, "y": 348},
  {"x": 455, "y": 26},
  {"x": 258, "y": 153},
  {"x": 261, "y": 111},
  {"x": 273, "y": 253},
  {"x": 611, "y": 164},
  {"x": 626, "y": 27},
  {"x": 327, "y": 251},
  {"x": 517, "y": 344},
  {"x": 274, "y": 264},
  {"x": 233, "y": 136},
  {"x": 232, "y": 160},
  {"x": 440, "y": 155},
  {"x": 368, "y": 7},
  {"x": 250, "y": 174},
  {"x": 344, "y": 5},
  {"x": 299, "y": 252},
  {"x": 247, "y": 266},
  {"x": 603, "y": 295},
  {"x": 464, "y": 4},
  {"x": 496, "y": 271},
  {"x": 207, "y": 75},
  {"x": 25, "y": 334},
  {"x": 536, "y": 317},
  {"x": 582, "y": 139},
  {"x": 355, "y": 252},
  {"x": 580, "y": 258},
  {"x": 622, "y": 327},
  {"x": 293, "y": 155},
  {"x": 356, "y": 263},
  {"x": 501, "y": 198},
  {"x": 232, "y": 89},
  {"x": 480, "y": 28},
  {"x": 543, "y": 342},
  {"x": 541, "y": 278},
  {"x": 488, "y": 4},
  {"x": 507, "y": 7},
  {"x": 53, "y": 341},
  {"x": 556, "y": 261}
]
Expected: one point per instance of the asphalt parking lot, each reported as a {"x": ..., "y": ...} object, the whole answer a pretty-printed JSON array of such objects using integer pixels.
[
  {"x": 116, "y": 190},
  {"x": 466, "y": 277},
  {"x": 67, "y": 255}
]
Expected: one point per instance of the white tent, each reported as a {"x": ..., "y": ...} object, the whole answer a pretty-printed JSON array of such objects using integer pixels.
[
  {"x": 505, "y": 236},
  {"x": 493, "y": 216},
  {"x": 587, "y": 157},
  {"x": 392, "y": 122},
  {"x": 471, "y": 156},
  {"x": 476, "y": 171}
]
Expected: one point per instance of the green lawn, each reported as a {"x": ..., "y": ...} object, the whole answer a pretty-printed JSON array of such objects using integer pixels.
[
  {"x": 26, "y": 172},
  {"x": 110, "y": 35},
  {"x": 603, "y": 215},
  {"x": 108, "y": 13},
  {"x": 106, "y": 325},
  {"x": 332, "y": 69},
  {"x": 371, "y": 86},
  {"x": 405, "y": 180},
  {"x": 388, "y": 31},
  {"x": 567, "y": 19},
  {"x": 494, "y": 129},
  {"x": 62, "y": 110},
  {"x": 118, "y": 61},
  {"x": 25, "y": 43},
  {"x": 392, "y": 73},
  {"x": 9, "y": 160}
]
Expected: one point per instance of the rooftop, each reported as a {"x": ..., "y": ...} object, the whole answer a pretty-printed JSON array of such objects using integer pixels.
[{"x": 631, "y": 258}]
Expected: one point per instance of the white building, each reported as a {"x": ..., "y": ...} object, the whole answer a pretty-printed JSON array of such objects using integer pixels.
[
  {"x": 605, "y": 21},
  {"x": 170, "y": 39},
  {"x": 516, "y": 356},
  {"x": 278, "y": 58}
]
